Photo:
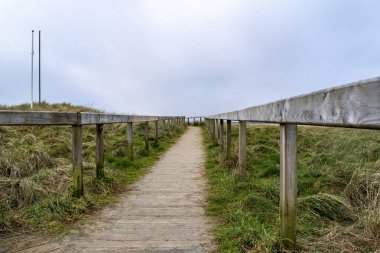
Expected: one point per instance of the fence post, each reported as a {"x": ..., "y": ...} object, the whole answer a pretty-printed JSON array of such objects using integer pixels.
[
  {"x": 288, "y": 185},
  {"x": 146, "y": 137},
  {"x": 99, "y": 151},
  {"x": 156, "y": 132},
  {"x": 217, "y": 130},
  {"x": 221, "y": 135},
  {"x": 213, "y": 128},
  {"x": 77, "y": 160},
  {"x": 228, "y": 137},
  {"x": 130, "y": 140},
  {"x": 242, "y": 149}
]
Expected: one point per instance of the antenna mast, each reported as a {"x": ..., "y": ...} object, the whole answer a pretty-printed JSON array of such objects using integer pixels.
[
  {"x": 31, "y": 81},
  {"x": 39, "y": 67}
]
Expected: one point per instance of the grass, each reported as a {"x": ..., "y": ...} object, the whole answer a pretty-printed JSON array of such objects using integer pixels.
[
  {"x": 36, "y": 171},
  {"x": 338, "y": 191}
]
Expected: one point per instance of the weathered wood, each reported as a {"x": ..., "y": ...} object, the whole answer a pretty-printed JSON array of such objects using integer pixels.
[
  {"x": 77, "y": 160},
  {"x": 146, "y": 138},
  {"x": 130, "y": 140},
  {"x": 38, "y": 118},
  {"x": 242, "y": 149},
  {"x": 164, "y": 127},
  {"x": 353, "y": 105},
  {"x": 221, "y": 134},
  {"x": 99, "y": 151},
  {"x": 100, "y": 118},
  {"x": 228, "y": 138},
  {"x": 156, "y": 132},
  {"x": 8, "y": 117},
  {"x": 217, "y": 130},
  {"x": 288, "y": 184},
  {"x": 213, "y": 134}
]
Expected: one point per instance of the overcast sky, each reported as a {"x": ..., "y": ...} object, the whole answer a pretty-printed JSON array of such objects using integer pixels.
[{"x": 182, "y": 57}]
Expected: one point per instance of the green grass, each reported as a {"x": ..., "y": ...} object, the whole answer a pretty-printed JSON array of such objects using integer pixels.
[
  {"x": 338, "y": 191},
  {"x": 36, "y": 171}
]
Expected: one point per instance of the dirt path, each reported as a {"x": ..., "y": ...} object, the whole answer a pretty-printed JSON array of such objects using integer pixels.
[{"x": 163, "y": 212}]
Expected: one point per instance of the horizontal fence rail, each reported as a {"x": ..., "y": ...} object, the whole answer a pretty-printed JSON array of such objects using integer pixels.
[
  {"x": 77, "y": 120},
  {"x": 71, "y": 118},
  {"x": 355, "y": 105}
]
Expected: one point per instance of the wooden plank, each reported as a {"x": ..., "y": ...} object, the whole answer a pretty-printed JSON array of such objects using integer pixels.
[
  {"x": 156, "y": 132},
  {"x": 221, "y": 135},
  {"x": 228, "y": 137},
  {"x": 242, "y": 149},
  {"x": 38, "y": 118},
  {"x": 288, "y": 185},
  {"x": 216, "y": 122},
  {"x": 8, "y": 117},
  {"x": 212, "y": 129},
  {"x": 146, "y": 138},
  {"x": 352, "y": 105},
  {"x": 26, "y": 244},
  {"x": 77, "y": 160},
  {"x": 11, "y": 238},
  {"x": 99, "y": 151},
  {"x": 130, "y": 140},
  {"x": 100, "y": 118}
]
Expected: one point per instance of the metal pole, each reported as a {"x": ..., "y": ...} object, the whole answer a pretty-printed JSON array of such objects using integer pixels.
[
  {"x": 39, "y": 67},
  {"x": 31, "y": 84}
]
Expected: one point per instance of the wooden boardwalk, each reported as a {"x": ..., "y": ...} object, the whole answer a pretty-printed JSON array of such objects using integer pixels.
[{"x": 163, "y": 212}]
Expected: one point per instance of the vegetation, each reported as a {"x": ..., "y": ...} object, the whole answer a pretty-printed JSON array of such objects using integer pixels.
[
  {"x": 338, "y": 191},
  {"x": 36, "y": 171}
]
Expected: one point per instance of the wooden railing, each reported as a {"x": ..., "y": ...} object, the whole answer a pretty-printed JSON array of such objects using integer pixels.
[
  {"x": 77, "y": 120},
  {"x": 355, "y": 105}
]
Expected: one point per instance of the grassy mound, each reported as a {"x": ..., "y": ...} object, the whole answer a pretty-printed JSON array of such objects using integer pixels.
[
  {"x": 338, "y": 191},
  {"x": 36, "y": 170}
]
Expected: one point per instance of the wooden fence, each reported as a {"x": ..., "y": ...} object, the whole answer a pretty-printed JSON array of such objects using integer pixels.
[
  {"x": 77, "y": 120},
  {"x": 355, "y": 105}
]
